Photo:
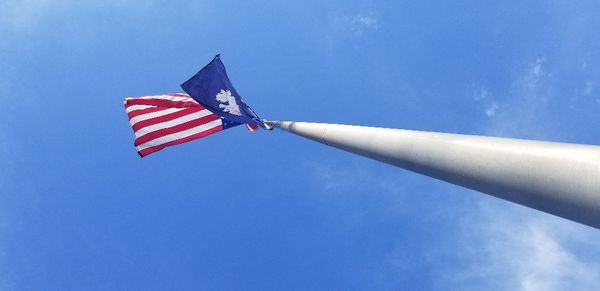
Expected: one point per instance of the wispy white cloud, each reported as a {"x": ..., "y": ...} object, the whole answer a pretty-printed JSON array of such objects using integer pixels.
[
  {"x": 482, "y": 95},
  {"x": 525, "y": 111},
  {"x": 28, "y": 15},
  {"x": 537, "y": 70},
  {"x": 588, "y": 88},
  {"x": 491, "y": 109},
  {"x": 509, "y": 247},
  {"x": 25, "y": 14},
  {"x": 335, "y": 181},
  {"x": 512, "y": 248},
  {"x": 359, "y": 24},
  {"x": 348, "y": 27}
]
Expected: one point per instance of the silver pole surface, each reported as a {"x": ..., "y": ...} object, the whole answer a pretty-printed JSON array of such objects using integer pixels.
[{"x": 558, "y": 178}]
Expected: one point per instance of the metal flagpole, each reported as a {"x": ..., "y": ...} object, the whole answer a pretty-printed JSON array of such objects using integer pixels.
[{"x": 558, "y": 178}]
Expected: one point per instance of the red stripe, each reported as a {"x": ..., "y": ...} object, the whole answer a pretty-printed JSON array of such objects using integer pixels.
[
  {"x": 153, "y": 149},
  {"x": 174, "y": 129},
  {"x": 163, "y": 103},
  {"x": 252, "y": 127},
  {"x": 165, "y": 118}
]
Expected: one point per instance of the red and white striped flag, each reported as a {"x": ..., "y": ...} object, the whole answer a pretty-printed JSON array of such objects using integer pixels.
[{"x": 165, "y": 120}]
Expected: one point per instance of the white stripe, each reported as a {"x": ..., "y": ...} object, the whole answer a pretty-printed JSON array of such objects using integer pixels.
[
  {"x": 179, "y": 135},
  {"x": 131, "y": 108},
  {"x": 163, "y": 95},
  {"x": 159, "y": 96},
  {"x": 168, "y": 98},
  {"x": 171, "y": 123},
  {"x": 155, "y": 114}
]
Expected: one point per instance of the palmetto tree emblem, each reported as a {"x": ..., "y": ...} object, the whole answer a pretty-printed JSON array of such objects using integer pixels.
[{"x": 228, "y": 102}]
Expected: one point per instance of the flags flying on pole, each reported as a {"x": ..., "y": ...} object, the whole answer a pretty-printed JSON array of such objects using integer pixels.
[
  {"x": 165, "y": 120},
  {"x": 169, "y": 119},
  {"x": 212, "y": 88}
]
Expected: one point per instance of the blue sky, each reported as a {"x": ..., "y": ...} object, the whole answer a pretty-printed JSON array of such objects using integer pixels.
[{"x": 271, "y": 211}]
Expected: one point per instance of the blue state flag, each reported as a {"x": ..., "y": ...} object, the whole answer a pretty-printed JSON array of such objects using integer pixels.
[{"x": 211, "y": 87}]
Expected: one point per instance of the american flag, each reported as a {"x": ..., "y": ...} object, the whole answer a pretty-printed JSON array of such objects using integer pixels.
[{"x": 170, "y": 119}]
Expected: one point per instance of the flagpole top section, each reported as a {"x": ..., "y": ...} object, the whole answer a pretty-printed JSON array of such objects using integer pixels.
[{"x": 276, "y": 124}]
